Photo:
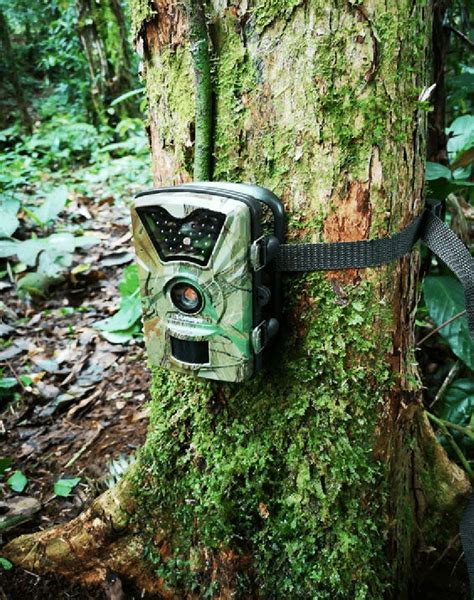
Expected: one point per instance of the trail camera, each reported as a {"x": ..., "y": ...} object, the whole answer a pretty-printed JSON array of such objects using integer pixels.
[
  {"x": 210, "y": 258},
  {"x": 211, "y": 302}
]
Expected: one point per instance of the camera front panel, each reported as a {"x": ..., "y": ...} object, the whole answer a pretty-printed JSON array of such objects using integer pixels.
[{"x": 196, "y": 282}]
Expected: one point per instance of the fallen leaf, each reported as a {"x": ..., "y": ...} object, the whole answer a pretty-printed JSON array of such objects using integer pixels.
[
  {"x": 17, "y": 511},
  {"x": 10, "y": 352},
  {"x": 117, "y": 258},
  {"x": 5, "y": 329},
  {"x": 48, "y": 391}
]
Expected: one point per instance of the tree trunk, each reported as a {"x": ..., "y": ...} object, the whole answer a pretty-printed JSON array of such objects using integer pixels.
[
  {"x": 319, "y": 478},
  {"x": 13, "y": 76},
  {"x": 103, "y": 36}
]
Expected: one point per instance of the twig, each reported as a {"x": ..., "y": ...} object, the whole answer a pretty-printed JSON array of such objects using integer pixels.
[
  {"x": 462, "y": 36},
  {"x": 451, "y": 544},
  {"x": 77, "y": 368},
  {"x": 15, "y": 375},
  {"x": 84, "y": 448},
  {"x": 449, "y": 378},
  {"x": 443, "y": 426},
  {"x": 448, "y": 322},
  {"x": 466, "y": 429}
]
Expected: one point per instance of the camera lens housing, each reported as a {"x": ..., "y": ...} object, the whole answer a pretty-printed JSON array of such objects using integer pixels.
[{"x": 186, "y": 297}]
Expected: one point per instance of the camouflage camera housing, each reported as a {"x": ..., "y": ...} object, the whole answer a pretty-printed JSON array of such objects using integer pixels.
[{"x": 211, "y": 303}]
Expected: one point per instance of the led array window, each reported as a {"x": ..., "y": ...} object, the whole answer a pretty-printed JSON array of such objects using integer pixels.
[{"x": 192, "y": 238}]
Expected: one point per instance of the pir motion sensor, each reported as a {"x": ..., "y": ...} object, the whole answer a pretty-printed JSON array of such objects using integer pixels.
[{"x": 210, "y": 272}]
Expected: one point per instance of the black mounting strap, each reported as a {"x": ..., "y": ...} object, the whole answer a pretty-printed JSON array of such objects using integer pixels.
[
  {"x": 466, "y": 528},
  {"x": 439, "y": 238}
]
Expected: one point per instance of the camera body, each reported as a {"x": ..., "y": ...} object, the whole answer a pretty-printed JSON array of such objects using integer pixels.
[{"x": 211, "y": 302}]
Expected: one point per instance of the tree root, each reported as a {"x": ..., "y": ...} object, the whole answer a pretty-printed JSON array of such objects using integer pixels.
[{"x": 97, "y": 543}]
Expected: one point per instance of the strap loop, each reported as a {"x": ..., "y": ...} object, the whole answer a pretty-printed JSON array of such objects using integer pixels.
[
  {"x": 334, "y": 256},
  {"x": 439, "y": 238}
]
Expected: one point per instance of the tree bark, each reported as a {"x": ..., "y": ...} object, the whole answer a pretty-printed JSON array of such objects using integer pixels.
[
  {"x": 103, "y": 36},
  {"x": 320, "y": 477}
]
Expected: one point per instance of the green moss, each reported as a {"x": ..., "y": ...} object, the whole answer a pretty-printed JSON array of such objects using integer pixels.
[
  {"x": 140, "y": 11},
  {"x": 267, "y": 11},
  {"x": 297, "y": 444},
  {"x": 235, "y": 76},
  {"x": 170, "y": 92}
]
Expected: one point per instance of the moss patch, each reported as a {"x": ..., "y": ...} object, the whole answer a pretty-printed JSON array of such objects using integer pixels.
[{"x": 280, "y": 469}]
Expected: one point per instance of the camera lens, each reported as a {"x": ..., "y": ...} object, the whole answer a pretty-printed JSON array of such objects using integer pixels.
[{"x": 186, "y": 297}]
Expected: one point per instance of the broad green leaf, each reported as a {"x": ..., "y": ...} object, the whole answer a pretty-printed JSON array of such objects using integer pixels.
[
  {"x": 123, "y": 336},
  {"x": 35, "y": 284},
  {"x": 28, "y": 250},
  {"x": 130, "y": 282},
  {"x": 436, "y": 171},
  {"x": 5, "y": 564},
  {"x": 5, "y": 464},
  {"x": 127, "y": 315},
  {"x": 8, "y": 219},
  {"x": 64, "y": 487},
  {"x": 53, "y": 204},
  {"x": 444, "y": 298},
  {"x": 26, "y": 380},
  {"x": 7, "y": 383},
  {"x": 460, "y": 135},
  {"x": 7, "y": 248},
  {"x": 17, "y": 481},
  {"x": 56, "y": 250},
  {"x": 458, "y": 402}
]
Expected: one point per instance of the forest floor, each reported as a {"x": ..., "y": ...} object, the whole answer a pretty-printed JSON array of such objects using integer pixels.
[{"x": 79, "y": 407}]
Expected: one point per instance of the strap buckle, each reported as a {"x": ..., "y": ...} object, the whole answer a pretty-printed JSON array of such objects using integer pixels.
[
  {"x": 259, "y": 337},
  {"x": 263, "y": 333},
  {"x": 263, "y": 250}
]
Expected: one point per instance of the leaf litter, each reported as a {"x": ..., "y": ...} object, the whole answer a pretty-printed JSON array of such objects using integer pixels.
[{"x": 73, "y": 406}]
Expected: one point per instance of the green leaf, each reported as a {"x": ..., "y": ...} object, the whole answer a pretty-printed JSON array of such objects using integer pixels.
[
  {"x": 53, "y": 204},
  {"x": 64, "y": 487},
  {"x": 460, "y": 135},
  {"x": 6, "y": 383},
  {"x": 444, "y": 298},
  {"x": 436, "y": 171},
  {"x": 127, "y": 95},
  {"x": 5, "y": 464},
  {"x": 35, "y": 284},
  {"x": 128, "y": 314},
  {"x": 130, "y": 282},
  {"x": 8, "y": 220},
  {"x": 5, "y": 564},
  {"x": 56, "y": 251},
  {"x": 17, "y": 481},
  {"x": 7, "y": 248},
  {"x": 458, "y": 402},
  {"x": 125, "y": 323}
]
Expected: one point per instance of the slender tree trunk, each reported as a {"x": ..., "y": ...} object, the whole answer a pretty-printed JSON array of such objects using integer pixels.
[
  {"x": 321, "y": 477},
  {"x": 12, "y": 73},
  {"x": 103, "y": 35}
]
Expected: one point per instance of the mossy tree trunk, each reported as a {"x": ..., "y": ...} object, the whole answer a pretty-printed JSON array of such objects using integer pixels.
[
  {"x": 320, "y": 477},
  {"x": 104, "y": 39}
]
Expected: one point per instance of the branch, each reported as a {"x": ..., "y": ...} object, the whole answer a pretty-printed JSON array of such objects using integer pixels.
[
  {"x": 469, "y": 43},
  {"x": 436, "y": 329}
]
